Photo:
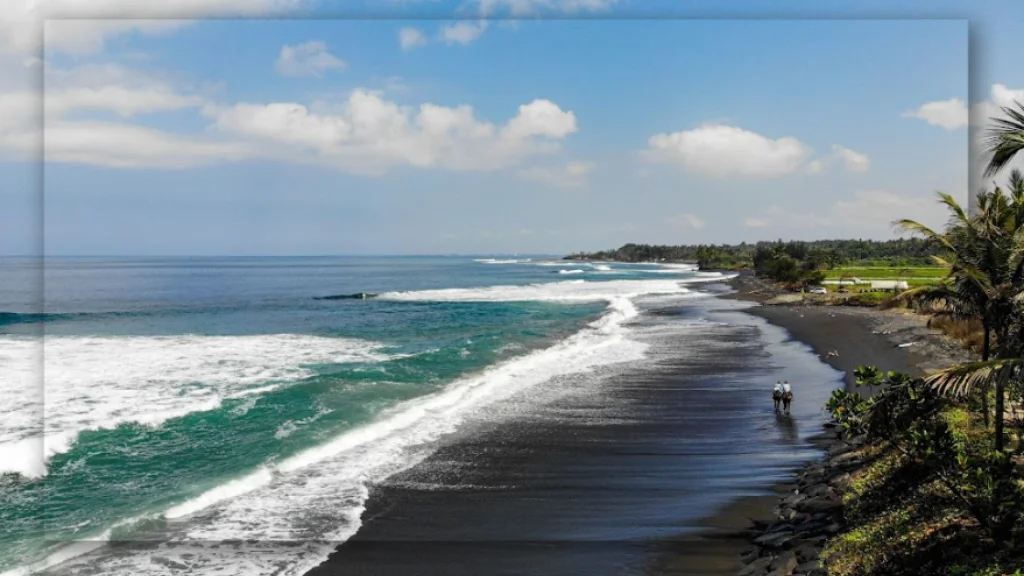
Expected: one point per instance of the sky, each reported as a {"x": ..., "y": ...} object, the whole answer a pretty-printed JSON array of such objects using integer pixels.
[{"x": 305, "y": 127}]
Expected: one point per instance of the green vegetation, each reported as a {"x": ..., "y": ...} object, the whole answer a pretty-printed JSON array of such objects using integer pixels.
[
  {"x": 934, "y": 497},
  {"x": 889, "y": 273},
  {"x": 822, "y": 253},
  {"x": 942, "y": 487}
]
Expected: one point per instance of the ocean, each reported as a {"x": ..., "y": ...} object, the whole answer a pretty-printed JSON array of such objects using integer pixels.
[{"x": 193, "y": 404}]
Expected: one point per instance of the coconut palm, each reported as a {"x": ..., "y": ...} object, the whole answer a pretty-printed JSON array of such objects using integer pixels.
[
  {"x": 985, "y": 280},
  {"x": 977, "y": 263},
  {"x": 958, "y": 296},
  {"x": 1005, "y": 138},
  {"x": 960, "y": 380}
]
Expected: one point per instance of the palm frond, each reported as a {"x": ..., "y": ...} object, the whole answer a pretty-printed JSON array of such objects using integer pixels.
[
  {"x": 954, "y": 206},
  {"x": 1005, "y": 139},
  {"x": 959, "y": 380},
  {"x": 915, "y": 227}
]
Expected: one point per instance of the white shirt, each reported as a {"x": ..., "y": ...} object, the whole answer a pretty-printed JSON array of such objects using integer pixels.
[
  {"x": 786, "y": 388},
  {"x": 778, "y": 387}
]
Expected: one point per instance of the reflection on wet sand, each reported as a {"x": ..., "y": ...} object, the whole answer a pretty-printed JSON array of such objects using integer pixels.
[{"x": 787, "y": 427}]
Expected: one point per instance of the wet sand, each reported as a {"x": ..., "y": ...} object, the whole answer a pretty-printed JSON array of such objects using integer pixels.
[{"x": 657, "y": 470}]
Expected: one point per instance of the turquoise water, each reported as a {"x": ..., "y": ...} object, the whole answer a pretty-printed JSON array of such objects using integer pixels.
[{"x": 211, "y": 399}]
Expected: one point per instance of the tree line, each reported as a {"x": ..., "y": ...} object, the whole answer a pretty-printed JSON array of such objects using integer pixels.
[{"x": 812, "y": 254}]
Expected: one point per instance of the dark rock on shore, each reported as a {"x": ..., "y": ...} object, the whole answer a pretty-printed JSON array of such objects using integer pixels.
[{"x": 810, "y": 514}]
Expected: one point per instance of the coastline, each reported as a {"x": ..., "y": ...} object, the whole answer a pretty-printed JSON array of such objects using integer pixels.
[
  {"x": 455, "y": 514},
  {"x": 862, "y": 336}
]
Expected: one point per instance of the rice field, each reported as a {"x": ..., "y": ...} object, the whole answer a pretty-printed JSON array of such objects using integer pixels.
[{"x": 911, "y": 275}]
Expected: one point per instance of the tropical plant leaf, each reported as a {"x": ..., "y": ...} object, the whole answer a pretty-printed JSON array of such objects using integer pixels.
[{"x": 961, "y": 379}]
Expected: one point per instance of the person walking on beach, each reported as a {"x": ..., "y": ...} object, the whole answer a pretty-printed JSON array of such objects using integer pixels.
[
  {"x": 777, "y": 395},
  {"x": 787, "y": 396}
]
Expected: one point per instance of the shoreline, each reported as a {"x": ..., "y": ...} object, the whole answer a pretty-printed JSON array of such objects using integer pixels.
[
  {"x": 406, "y": 525},
  {"x": 823, "y": 328}
]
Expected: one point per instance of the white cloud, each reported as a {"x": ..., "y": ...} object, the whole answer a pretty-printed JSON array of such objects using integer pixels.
[
  {"x": 949, "y": 114},
  {"x": 720, "y": 150},
  {"x": 954, "y": 113},
  {"x": 462, "y": 32},
  {"x": 91, "y": 88},
  {"x": 686, "y": 220},
  {"x": 814, "y": 167},
  {"x": 409, "y": 38},
  {"x": 112, "y": 88},
  {"x": 534, "y": 7},
  {"x": 307, "y": 59},
  {"x": 541, "y": 118},
  {"x": 369, "y": 134},
  {"x": 118, "y": 99},
  {"x": 1006, "y": 97},
  {"x": 364, "y": 133},
  {"x": 570, "y": 175},
  {"x": 754, "y": 223},
  {"x": 128, "y": 146},
  {"x": 855, "y": 161},
  {"x": 77, "y": 26}
]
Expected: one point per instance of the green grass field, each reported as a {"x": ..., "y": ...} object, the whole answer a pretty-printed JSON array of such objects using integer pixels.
[{"x": 879, "y": 273}]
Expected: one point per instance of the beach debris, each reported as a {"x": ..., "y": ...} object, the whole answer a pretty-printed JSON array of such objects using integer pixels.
[{"x": 905, "y": 344}]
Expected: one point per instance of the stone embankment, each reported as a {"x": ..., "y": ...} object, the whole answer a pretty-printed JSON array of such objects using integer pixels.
[{"x": 809, "y": 514}]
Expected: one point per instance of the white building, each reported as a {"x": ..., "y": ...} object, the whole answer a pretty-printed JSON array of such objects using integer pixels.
[{"x": 889, "y": 285}]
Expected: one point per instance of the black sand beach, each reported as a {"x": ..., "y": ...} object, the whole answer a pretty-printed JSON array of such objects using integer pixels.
[{"x": 656, "y": 470}]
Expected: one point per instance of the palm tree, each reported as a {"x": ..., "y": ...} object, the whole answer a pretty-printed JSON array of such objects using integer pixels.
[
  {"x": 960, "y": 380},
  {"x": 1005, "y": 139},
  {"x": 960, "y": 295},
  {"x": 959, "y": 299},
  {"x": 985, "y": 281}
]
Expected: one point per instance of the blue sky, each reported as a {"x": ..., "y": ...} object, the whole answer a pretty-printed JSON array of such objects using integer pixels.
[{"x": 544, "y": 135}]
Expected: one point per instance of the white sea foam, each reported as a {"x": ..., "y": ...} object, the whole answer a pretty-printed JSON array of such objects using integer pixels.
[
  {"x": 101, "y": 382},
  {"x": 505, "y": 261},
  {"x": 566, "y": 291},
  {"x": 576, "y": 271},
  {"x": 317, "y": 496}
]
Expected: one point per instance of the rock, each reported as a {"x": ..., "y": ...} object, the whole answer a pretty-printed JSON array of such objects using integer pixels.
[
  {"x": 784, "y": 514},
  {"x": 754, "y": 568},
  {"x": 833, "y": 528},
  {"x": 845, "y": 459},
  {"x": 838, "y": 448},
  {"x": 819, "y": 504},
  {"x": 841, "y": 482},
  {"x": 750, "y": 555},
  {"x": 814, "y": 526},
  {"x": 782, "y": 560},
  {"x": 793, "y": 500},
  {"x": 774, "y": 540},
  {"x": 818, "y": 490},
  {"x": 784, "y": 565},
  {"x": 806, "y": 553},
  {"x": 795, "y": 517},
  {"x": 780, "y": 527},
  {"x": 809, "y": 568}
]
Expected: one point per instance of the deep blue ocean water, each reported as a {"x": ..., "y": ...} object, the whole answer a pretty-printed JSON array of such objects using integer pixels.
[{"x": 209, "y": 399}]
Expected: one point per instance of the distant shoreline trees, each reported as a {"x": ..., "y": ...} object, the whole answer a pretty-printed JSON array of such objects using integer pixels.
[{"x": 815, "y": 254}]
